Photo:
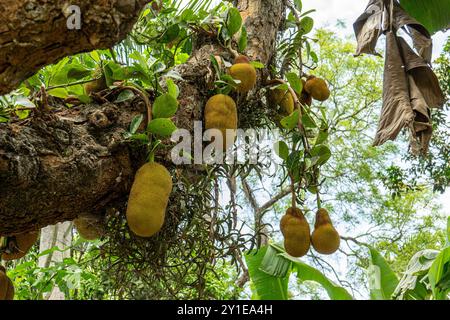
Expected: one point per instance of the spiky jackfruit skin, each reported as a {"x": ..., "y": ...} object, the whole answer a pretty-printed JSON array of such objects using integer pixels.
[
  {"x": 6, "y": 286},
  {"x": 317, "y": 88},
  {"x": 89, "y": 227},
  {"x": 296, "y": 232},
  {"x": 282, "y": 98},
  {"x": 221, "y": 114},
  {"x": 325, "y": 239},
  {"x": 242, "y": 70},
  {"x": 148, "y": 200},
  {"x": 23, "y": 243}
]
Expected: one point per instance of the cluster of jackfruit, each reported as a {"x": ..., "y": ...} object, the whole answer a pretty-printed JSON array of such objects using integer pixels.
[
  {"x": 297, "y": 238},
  {"x": 6, "y": 286},
  {"x": 221, "y": 111},
  {"x": 313, "y": 88},
  {"x": 148, "y": 199}
]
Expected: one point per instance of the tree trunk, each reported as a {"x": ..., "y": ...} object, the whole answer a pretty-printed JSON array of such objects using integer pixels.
[
  {"x": 37, "y": 33},
  {"x": 59, "y": 235},
  {"x": 71, "y": 162}
]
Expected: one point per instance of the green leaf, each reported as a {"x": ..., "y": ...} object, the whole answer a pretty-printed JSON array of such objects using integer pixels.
[
  {"x": 321, "y": 154},
  {"x": 282, "y": 150},
  {"x": 171, "y": 34},
  {"x": 243, "y": 40},
  {"x": 59, "y": 93},
  {"x": 162, "y": 127},
  {"x": 295, "y": 82},
  {"x": 234, "y": 21},
  {"x": 439, "y": 274},
  {"x": 257, "y": 64},
  {"x": 291, "y": 121},
  {"x": 307, "y": 24},
  {"x": 172, "y": 88},
  {"x": 265, "y": 286},
  {"x": 433, "y": 14},
  {"x": 308, "y": 121},
  {"x": 136, "y": 123},
  {"x": 308, "y": 273},
  {"x": 382, "y": 280},
  {"x": 298, "y": 5},
  {"x": 165, "y": 106},
  {"x": 125, "y": 95}
]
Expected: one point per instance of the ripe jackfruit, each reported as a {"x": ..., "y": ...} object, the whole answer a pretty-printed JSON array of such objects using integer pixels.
[
  {"x": 296, "y": 232},
  {"x": 221, "y": 114},
  {"x": 325, "y": 239},
  {"x": 317, "y": 88},
  {"x": 148, "y": 199},
  {"x": 89, "y": 227},
  {"x": 282, "y": 98},
  {"x": 19, "y": 245},
  {"x": 6, "y": 286},
  {"x": 242, "y": 70}
]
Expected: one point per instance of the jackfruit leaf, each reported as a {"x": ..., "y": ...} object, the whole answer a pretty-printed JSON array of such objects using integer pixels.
[
  {"x": 171, "y": 34},
  {"x": 322, "y": 137},
  {"x": 162, "y": 127},
  {"x": 125, "y": 95},
  {"x": 439, "y": 275},
  {"x": 265, "y": 286},
  {"x": 257, "y": 64},
  {"x": 306, "y": 24},
  {"x": 295, "y": 82},
  {"x": 172, "y": 88},
  {"x": 320, "y": 154},
  {"x": 382, "y": 280},
  {"x": 282, "y": 150},
  {"x": 243, "y": 39},
  {"x": 368, "y": 27},
  {"x": 59, "y": 93},
  {"x": 165, "y": 106},
  {"x": 305, "y": 273},
  {"x": 298, "y": 5},
  {"x": 433, "y": 14},
  {"x": 308, "y": 122},
  {"x": 78, "y": 72},
  {"x": 136, "y": 123},
  {"x": 291, "y": 121},
  {"x": 234, "y": 21}
]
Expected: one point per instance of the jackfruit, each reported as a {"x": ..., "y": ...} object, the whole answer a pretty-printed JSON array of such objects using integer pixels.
[
  {"x": 148, "y": 199},
  {"x": 282, "y": 98},
  {"x": 242, "y": 70},
  {"x": 296, "y": 232},
  {"x": 19, "y": 245},
  {"x": 6, "y": 286},
  {"x": 317, "y": 88},
  {"x": 325, "y": 239},
  {"x": 89, "y": 227},
  {"x": 221, "y": 114}
]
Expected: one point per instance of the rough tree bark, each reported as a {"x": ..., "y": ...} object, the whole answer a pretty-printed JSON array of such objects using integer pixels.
[
  {"x": 76, "y": 161},
  {"x": 34, "y": 33}
]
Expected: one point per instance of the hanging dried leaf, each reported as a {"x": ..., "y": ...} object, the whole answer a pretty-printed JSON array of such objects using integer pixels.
[
  {"x": 424, "y": 77},
  {"x": 397, "y": 111},
  {"x": 368, "y": 27},
  {"x": 419, "y": 34}
]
